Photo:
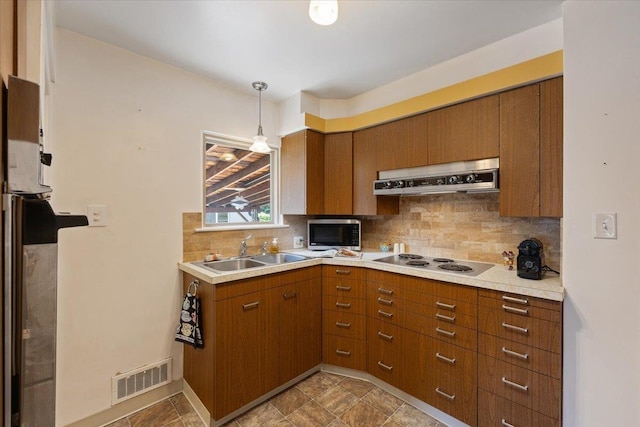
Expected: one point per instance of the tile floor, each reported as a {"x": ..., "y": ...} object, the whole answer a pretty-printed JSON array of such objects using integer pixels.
[{"x": 322, "y": 400}]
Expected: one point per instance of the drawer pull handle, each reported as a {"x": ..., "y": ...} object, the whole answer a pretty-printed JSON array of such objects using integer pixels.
[
  {"x": 251, "y": 305},
  {"x": 443, "y": 394},
  {"x": 385, "y": 367},
  {"x": 385, "y": 301},
  {"x": 506, "y": 424},
  {"x": 447, "y": 333},
  {"x": 516, "y": 300},
  {"x": 289, "y": 295},
  {"x": 385, "y": 314},
  {"x": 343, "y": 304},
  {"x": 343, "y": 271},
  {"x": 343, "y": 325},
  {"x": 343, "y": 288},
  {"x": 445, "y": 318},
  {"x": 515, "y": 353},
  {"x": 343, "y": 352},
  {"x": 442, "y": 305},
  {"x": 516, "y": 385},
  {"x": 385, "y": 336},
  {"x": 515, "y": 310},
  {"x": 445, "y": 359},
  {"x": 385, "y": 291},
  {"x": 515, "y": 328}
]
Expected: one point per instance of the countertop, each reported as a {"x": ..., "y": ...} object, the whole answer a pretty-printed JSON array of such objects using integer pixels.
[{"x": 497, "y": 278}]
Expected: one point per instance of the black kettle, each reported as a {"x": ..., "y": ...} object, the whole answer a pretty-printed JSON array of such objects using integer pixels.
[{"x": 530, "y": 259}]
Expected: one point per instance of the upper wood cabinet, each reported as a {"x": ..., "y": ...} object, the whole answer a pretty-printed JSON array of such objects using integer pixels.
[
  {"x": 302, "y": 173},
  {"x": 338, "y": 174},
  {"x": 467, "y": 131},
  {"x": 531, "y": 150}
]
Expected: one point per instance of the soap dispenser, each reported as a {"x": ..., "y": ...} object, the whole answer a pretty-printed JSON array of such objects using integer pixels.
[{"x": 274, "y": 246}]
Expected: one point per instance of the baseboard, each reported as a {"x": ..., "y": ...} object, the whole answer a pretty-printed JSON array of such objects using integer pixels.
[
  {"x": 197, "y": 404},
  {"x": 130, "y": 406}
]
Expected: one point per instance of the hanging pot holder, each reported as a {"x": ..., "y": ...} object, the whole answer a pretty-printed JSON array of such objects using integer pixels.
[{"x": 189, "y": 331}]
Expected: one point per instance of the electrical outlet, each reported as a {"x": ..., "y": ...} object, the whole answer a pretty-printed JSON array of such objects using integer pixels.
[
  {"x": 298, "y": 242},
  {"x": 97, "y": 215},
  {"x": 605, "y": 225}
]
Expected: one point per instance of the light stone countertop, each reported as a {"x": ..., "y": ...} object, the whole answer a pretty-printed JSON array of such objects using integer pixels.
[{"x": 497, "y": 278}]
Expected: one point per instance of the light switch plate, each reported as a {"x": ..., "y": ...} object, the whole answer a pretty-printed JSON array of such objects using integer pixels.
[
  {"x": 605, "y": 226},
  {"x": 97, "y": 215}
]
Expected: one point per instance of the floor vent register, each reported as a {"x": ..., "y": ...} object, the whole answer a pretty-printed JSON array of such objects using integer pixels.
[{"x": 129, "y": 384}]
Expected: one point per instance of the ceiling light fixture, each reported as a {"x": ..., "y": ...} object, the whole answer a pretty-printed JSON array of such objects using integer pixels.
[
  {"x": 260, "y": 141},
  {"x": 228, "y": 157},
  {"x": 239, "y": 202},
  {"x": 323, "y": 12}
]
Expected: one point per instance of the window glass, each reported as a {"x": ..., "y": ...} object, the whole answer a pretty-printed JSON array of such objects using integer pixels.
[{"x": 238, "y": 183}]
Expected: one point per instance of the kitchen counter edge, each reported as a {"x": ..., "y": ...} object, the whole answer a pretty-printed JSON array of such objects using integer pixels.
[{"x": 497, "y": 278}]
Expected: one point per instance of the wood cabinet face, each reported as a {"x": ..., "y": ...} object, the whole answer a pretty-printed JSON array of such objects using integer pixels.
[
  {"x": 466, "y": 131},
  {"x": 366, "y": 143},
  {"x": 551, "y": 143},
  {"x": 302, "y": 173},
  {"x": 338, "y": 174},
  {"x": 520, "y": 152}
]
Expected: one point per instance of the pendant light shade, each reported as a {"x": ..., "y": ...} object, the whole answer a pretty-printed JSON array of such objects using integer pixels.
[
  {"x": 323, "y": 12},
  {"x": 239, "y": 202},
  {"x": 260, "y": 141}
]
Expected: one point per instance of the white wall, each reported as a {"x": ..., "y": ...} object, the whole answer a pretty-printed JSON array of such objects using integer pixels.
[
  {"x": 126, "y": 132},
  {"x": 602, "y": 277}
]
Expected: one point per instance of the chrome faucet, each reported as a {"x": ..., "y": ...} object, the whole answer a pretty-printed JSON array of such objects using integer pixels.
[
  {"x": 264, "y": 248},
  {"x": 243, "y": 245}
]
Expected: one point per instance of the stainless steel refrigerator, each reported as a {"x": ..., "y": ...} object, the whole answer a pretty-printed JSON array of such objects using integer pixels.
[{"x": 30, "y": 235}]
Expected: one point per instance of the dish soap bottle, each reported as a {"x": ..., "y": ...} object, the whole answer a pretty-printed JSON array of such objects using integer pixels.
[{"x": 274, "y": 246}]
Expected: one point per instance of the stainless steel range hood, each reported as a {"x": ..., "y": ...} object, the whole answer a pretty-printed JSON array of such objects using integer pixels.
[{"x": 478, "y": 176}]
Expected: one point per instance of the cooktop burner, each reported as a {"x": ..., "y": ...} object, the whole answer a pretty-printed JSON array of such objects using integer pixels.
[
  {"x": 410, "y": 256},
  {"x": 443, "y": 260},
  {"x": 455, "y": 267},
  {"x": 417, "y": 263}
]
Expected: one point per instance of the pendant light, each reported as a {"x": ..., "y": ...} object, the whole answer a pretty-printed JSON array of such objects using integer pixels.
[
  {"x": 323, "y": 12},
  {"x": 260, "y": 141},
  {"x": 239, "y": 202}
]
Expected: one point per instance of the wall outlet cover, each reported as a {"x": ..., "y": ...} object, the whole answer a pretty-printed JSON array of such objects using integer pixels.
[
  {"x": 605, "y": 226},
  {"x": 298, "y": 242}
]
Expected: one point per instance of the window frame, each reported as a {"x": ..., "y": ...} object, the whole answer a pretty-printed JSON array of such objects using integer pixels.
[{"x": 209, "y": 137}]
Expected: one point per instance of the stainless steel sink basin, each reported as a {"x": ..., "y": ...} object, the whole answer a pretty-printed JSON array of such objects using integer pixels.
[
  {"x": 279, "y": 258},
  {"x": 231, "y": 264}
]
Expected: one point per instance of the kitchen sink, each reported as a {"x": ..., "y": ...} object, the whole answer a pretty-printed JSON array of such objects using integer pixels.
[{"x": 279, "y": 258}]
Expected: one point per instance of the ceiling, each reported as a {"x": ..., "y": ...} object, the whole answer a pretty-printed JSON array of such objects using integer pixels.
[{"x": 237, "y": 42}]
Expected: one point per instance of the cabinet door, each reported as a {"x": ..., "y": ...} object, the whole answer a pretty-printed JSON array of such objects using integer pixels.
[
  {"x": 417, "y": 140},
  {"x": 367, "y": 144},
  {"x": 520, "y": 152},
  {"x": 242, "y": 358},
  {"x": 551, "y": 117},
  {"x": 338, "y": 174},
  {"x": 302, "y": 173},
  {"x": 467, "y": 131}
]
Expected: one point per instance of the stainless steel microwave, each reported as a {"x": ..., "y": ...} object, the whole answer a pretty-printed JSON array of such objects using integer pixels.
[{"x": 326, "y": 234}]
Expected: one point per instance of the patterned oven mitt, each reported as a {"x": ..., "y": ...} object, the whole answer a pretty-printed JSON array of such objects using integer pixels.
[{"x": 189, "y": 331}]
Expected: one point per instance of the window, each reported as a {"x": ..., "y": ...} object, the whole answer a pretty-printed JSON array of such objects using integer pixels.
[{"x": 238, "y": 183}]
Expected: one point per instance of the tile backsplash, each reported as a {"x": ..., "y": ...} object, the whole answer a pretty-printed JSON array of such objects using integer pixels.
[{"x": 463, "y": 226}]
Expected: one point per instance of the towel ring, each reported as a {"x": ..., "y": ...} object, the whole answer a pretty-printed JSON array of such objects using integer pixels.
[{"x": 195, "y": 284}]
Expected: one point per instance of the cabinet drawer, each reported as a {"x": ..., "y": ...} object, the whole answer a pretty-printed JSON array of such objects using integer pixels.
[
  {"x": 521, "y": 300},
  {"x": 443, "y": 290},
  {"x": 535, "y": 391},
  {"x": 383, "y": 351},
  {"x": 453, "y": 396},
  {"x": 522, "y": 329},
  {"x": 436, "y": 302},
  {"x": 386, "y": 309},
  {"x": 344, "y": 272},
  {"x": 495, "y": 411},
  {"x": 535, "y": 359},
  {"x": 345, "y": 304},
  {"x": 520, "y": 309},
  {"x": 343, "y": 324},
  {"x": 445, "y": 314},
  {"x": 455, "y": 361},
  {"x": 345, "y": 352},
  {"x": 387, "y": 286},
  {"x": 344, "y": 286},
  {"x": 445, "y": 331}
]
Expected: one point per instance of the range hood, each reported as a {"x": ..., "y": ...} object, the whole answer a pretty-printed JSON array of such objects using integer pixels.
[{"x": 478, "y": 176}]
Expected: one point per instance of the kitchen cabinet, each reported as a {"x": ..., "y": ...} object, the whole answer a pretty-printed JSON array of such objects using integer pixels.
[
  {"x": 302, "y": 173},
  {"x": 519, "y": 360},
  {"x": 466, "y": 131},
  {"x": 368, "y": 144},
  {"x": 531, "y": 150},
  {"x": 338, "y": 174},
  {"x": 259, "y": 333}
]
